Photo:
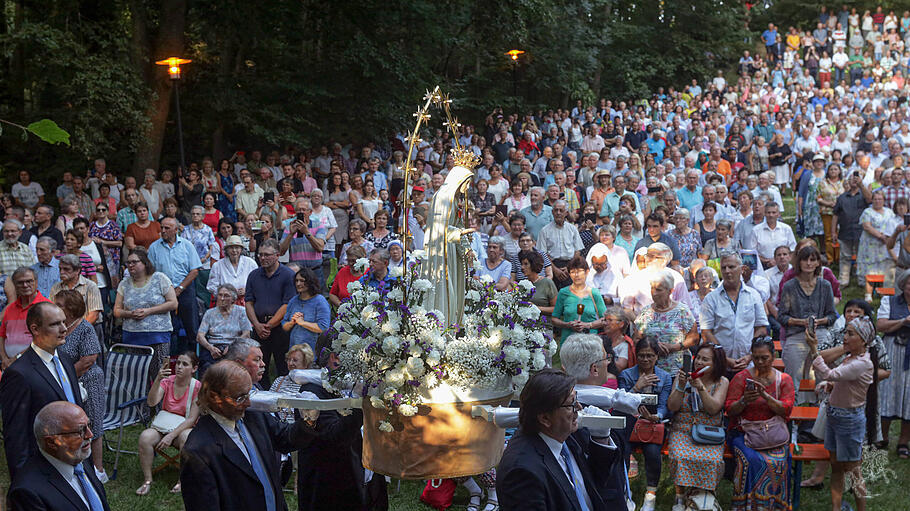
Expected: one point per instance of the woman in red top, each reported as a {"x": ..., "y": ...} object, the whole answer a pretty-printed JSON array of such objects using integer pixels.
[
  {"x": 172, "y": 391},
  {"x": 212, "y": 215},
  {"x": 346, "y": 275},
  {"x": 761, "y": 393}
]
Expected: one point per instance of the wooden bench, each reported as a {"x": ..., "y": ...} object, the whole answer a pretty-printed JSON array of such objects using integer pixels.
[
  {"x": 810, "y": 452},
  {"x": 806, "y": 386}
]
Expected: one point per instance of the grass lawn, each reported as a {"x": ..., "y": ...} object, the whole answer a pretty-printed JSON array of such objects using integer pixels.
[{"x": 888, "y": 492}]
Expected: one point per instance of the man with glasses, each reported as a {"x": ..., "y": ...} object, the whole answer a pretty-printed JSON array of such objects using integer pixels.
[
  {"x": 126, "y": 216},
  {"x": 38, "y": 377},
  {"x": 14, "y": 334},
  {"x": 61, "y": 473},
  {"x": 228, "y": 461},
  {"x": 550, "y": 463},
  {"x": 733, "y": 314},
  {"x": 269, "y": 288},
  {"x": 13, "y": 253}
]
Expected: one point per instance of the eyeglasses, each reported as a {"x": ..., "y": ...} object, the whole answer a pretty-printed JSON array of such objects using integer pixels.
[
  {"x": 130, "y": 262},
  {"x": 575, "y": 405},
  {"x": 240, "y": 398},
  {"x": 82, "y": 432},
  {"x": 100, "y": 209}
]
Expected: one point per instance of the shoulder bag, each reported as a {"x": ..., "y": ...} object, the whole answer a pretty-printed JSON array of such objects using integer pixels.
[
  {"x": 769, "y": 433},
  {"x": 166, "y": 422}
]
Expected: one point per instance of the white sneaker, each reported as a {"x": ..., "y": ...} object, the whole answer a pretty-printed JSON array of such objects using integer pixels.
[
  {"x": 102, "y": 476},
  {"x": 630, "y": 504},
  {"x": 650, "y": 501}
]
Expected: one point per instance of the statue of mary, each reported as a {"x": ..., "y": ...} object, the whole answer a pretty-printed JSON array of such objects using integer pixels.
[{"x": 444, "y": 264}]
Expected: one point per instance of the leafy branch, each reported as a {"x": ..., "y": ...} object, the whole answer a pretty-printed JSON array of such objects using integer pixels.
[{"x": 45, "y": 129}]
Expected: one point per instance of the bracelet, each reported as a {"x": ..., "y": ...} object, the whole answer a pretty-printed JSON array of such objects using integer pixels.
[{"x": 680, "y": 389}]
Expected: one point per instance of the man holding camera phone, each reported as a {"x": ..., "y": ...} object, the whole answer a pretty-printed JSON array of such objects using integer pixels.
[{"x": 305, "y": 239}]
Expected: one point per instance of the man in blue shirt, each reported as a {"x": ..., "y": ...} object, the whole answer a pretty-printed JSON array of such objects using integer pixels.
[
  {"x": 378, "y": 274},
  {"x": 769, "y": 37},
  {"x": 654, "y": 233},
  {"x": 538, "y": 214},
  {"x": 656, "y": 145},
  {"x": 176, "y": 257},
  {"x": 689, "y": 196},
  {"x": 47, "y": 269}
]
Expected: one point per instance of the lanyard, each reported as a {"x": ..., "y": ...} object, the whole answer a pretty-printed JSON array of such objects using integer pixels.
[{"x": 733, "y": 304}]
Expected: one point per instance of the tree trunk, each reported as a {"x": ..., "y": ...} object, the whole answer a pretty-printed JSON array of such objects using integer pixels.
[{"x": 169, "y": 42}]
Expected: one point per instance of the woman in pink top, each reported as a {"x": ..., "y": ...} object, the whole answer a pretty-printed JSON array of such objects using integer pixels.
[
  {"x": 852, "y": 405},
  {"x": 172, "y": 391}
]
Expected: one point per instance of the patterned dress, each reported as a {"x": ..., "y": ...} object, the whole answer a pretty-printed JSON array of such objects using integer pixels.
[
  {"x": 812, "y": 219},
  {"x": 873, "y": 257},
  {"x": 695, "y": 465},
  {"x": 225, "y": 204},
  {"x": 669, "y": 327},
  {"x": 108, "y": 232},
  {"x": 689, "y": 246},
  {"x": 82, "y": 342}
]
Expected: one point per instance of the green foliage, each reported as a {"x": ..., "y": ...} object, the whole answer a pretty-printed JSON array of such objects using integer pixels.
[
  {"x": 47, "y": 130},
  {"x": 304, "y": 72}
]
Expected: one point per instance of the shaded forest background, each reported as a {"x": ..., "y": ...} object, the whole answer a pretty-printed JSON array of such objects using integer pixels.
[{"x": 303, "y": 72}]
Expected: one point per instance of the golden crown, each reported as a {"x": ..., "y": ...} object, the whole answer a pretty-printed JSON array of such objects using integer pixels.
[{"x": 465, "y": 158}]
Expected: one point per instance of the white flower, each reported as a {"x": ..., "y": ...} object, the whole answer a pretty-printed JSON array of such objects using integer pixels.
[
  {"x": 538, "y": 361},
  {"x": 385, "y": 427},
  {"x": 486, "y": 278},
  {"x": 353, "y": 288},
  {"x": 373, "y": 296},
  {"x": 415, "y": 367},
  {"x": 361, "y": 264},
  {"x": 531, "y": 312},
  {"x": 494, "y": 341},
  {"x": 476, "y": 264},
  {"x": 389, "y": 394},
  {"x": 391, "y": 345},
  {"x": 415, "y": 350},
  {"x": 523, "y": 355},
  {"x": 519, "y": 380},
  {"x": 419, "y": 254},
  {"x": 395, "y": 377},
  {"x": 511, "y": 353},
  {"x": 553, "y": 346},
  {"x": 391, "y": 327},
  {"x": 526, "y": 285},
  {"x": 422, "y": 284},
  {"x": 407, "y": 410},
  {"x": 395, "y": 294},
  {"x": 377, "y": 403},
  {"x": 395, "y": 271},
  {"x": 433, "y": 358}
]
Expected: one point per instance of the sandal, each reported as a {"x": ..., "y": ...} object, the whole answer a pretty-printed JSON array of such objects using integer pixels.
[
  {"x": 144, "y": 489},
  {"x": 633, "y": 467},
  {"x": 811, "y": 485},
  {"x": 176, "y": 488},
  {"x": 492, "y": 505},
  {"x": 903, "y": 452},
  {"x": 471, "y": 502},
  {"x": 882, "y": 445}
]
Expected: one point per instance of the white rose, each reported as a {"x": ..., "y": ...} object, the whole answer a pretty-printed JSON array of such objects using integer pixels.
[
  {"x": 415, "y": 350},
  {"x": 526, "y": 285},
  {"x": 395, "y": 377},
  {"x": 419, "y": 254},
  {"x": 511, "y": 353},
  {"x": 391, "y": 327},
  {"x": 385, "y": 427},
  {"x": 472, "y": 296},
  {"x": 396, "y": 294},
  {"x": 353, "y": 287},
  {"x": 520, "y": 379},
  {"x": 415, "y": 367},
  {"x": 361, "y": 264},
  {"x": 539, "y": 361},
  {"x": 433, "y": 358},
  {"x": 486, "y": 278},
  {"x": 422, "y": 284},
  {"x": 377, "y": 403},
  {"x": 407, "y": 410},
  {"x": 391, "y": 345},
  {"x": 395, "y": 271}
]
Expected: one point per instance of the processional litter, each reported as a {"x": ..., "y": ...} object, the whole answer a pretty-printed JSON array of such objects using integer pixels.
[{"x": 436, "y": 355}]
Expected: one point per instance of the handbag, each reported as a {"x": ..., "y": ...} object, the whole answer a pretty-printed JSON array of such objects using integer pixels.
[
  {"x": 166, "y": 422},
  {"x": 647, "y": 432},
  {"x": 708, "y": 435},
  {"x": 438, "y": 493},
  {"x": 769, "y": 433}
]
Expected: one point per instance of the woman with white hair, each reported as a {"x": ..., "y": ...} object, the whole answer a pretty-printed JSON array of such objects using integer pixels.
[
  {"x": 496, "y": 266},
  {"x": 668, "y": 321},
  {"x": 221, "y": 325}
]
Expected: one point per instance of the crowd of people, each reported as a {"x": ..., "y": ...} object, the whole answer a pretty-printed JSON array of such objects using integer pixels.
[{"x": 652, "y": 232}]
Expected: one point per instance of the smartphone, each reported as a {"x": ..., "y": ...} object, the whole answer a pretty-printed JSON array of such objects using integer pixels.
[
  {"x": 257, "y": 225},
  {"x": 750, "y": 260},
  {"x": 654, "y": 189},
  {"x": 810, "y": 324},
  {"x": 301, "y": 217},
  {"x": 907, "y": 219},
  {"x": 502, "y": 208},
  {"x": 687, "y": 361},
  {"x": 268, "y": 196},
  {"x": 593, "y": 217},
  {"x": 750, "y": 384}
]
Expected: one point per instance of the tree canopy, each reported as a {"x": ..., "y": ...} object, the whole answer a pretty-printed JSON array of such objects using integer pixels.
[{"x": 305, "y": 72}]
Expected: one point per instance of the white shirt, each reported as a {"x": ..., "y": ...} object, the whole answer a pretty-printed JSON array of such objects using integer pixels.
[
  {"x": 760, "y": 284},
  {"x": 223, "y": 272},
  {"x": 560, "y": 242},
  {"x": 607, "y": 282},
  {"x": 48, "y": 359},
  {"x": 774, "y": 276},
  {"x": 733, "y": 326},
  {"x": 230, "y": 427},
  {"x": 765, "y": 239},
  {"x": 555, "y": 447},
  {"x": 68, "y": 472}
]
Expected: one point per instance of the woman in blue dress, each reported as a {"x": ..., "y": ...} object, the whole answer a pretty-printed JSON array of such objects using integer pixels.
[{"x": 226, "y": 194}]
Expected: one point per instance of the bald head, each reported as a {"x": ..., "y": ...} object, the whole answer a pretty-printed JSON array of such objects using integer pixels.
[{"x": 62, "y": 431}]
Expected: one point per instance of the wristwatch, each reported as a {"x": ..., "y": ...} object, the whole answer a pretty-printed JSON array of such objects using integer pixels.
[{"x": 180, "y": 287}]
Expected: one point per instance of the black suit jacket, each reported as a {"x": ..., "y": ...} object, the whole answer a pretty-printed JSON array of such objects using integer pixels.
[
  {"x": 330, "y": 467},
  {"x": 529, "y": 477},
  {"x": 214, "y": 473},
  {"x": 38, "y": 486},
  {"x": 26, "y": 386}
]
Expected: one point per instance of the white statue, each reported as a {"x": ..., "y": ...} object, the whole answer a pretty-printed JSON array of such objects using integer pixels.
[{"x": 444, "y": 265}]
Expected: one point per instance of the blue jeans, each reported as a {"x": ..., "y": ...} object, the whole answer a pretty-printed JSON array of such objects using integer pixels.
[{"x": 188, "y": 313}]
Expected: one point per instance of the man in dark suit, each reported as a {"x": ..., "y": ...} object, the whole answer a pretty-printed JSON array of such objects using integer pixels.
[
  {"x": 39, "y": 376},
  {"x": 228, "y": 461},
  {"x": 61, "y": 476},
  {"x": 550, "y": 463}
]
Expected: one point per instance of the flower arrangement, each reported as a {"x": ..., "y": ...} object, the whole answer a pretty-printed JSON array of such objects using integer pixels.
[{"x": 385, "y": 338}]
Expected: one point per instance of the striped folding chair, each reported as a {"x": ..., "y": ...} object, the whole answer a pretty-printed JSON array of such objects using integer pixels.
[{"x": 126, "y": 380}]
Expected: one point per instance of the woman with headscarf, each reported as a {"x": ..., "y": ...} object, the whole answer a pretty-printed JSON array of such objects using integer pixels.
[{"x": 852, "y": 404}]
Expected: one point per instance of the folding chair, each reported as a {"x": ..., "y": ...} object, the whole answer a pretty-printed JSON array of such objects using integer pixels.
[
  {"x": 126, "y": 379},
  {"x": 169, "y": 460}
]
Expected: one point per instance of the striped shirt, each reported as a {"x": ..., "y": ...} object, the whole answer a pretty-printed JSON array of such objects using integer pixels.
[
  {"x": 12, "y": 257},
  {"x": 88, "y": 290},
  {"x": 13, "y": 328}
]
